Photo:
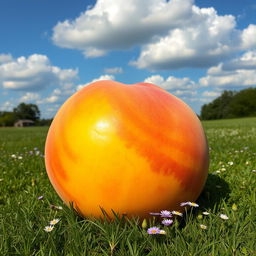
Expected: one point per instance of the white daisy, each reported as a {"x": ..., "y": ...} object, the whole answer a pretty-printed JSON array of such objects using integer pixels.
[
  {"x": 48, "y": 228},
  {"x": 177, "y": 213},
  {"x": 54, "y": 221},
  {"x": 224, "y": 216},
  {"x": 162, "y": 232},
  {"x": 202, "y": 226}
]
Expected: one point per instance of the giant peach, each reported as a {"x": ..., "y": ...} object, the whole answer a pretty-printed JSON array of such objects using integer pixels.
[{"x": 131, "y": 149}]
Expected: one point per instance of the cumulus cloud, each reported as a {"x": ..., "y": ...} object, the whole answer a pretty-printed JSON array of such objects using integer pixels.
[
  {"x": 211, "y": 94},
  {"x": 4, "y": 58},
  {"x": 34, "y": 73},
  {"x": 205, "y": 41},
  {"x": 29, "y": 96},
  {"x": 240, "y": 78},
  {"x": 102, "y": 77},
  {"x": 178, "y": 86},
  {"x": 111, "y": 25},
  {"x": 115, "y": 70},
  {"x": 238, "y": 72},
  {"x": 52, "y": 99},
  {"x": 171, "y": 83},
  {"x": 7, "y": 105},
  {"x": 172, "y": 34},
  {"x": 249, "y": 37},
  {"x": 246, "y": 61}
]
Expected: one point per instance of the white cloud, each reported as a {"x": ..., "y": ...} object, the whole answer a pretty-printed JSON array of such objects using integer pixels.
[
  {"x": 115, "y": 70},
  {"x": 7, "y": 105},
  {"x": 211, "y": 94},
  {"x": 249, "y": 37},
  {"x": 91, "y": 52},
  {"x": 34, "y": 73},
  {"x": 52, "y": 99},
  {"x": 205, "y": 41},
  {"x": 239, "y": 78},
  {"x": 171, "y": 83},
  {"x": 182, "y": 93},
  {"x": 246, "y": 61},
  {"x": 172, "y": 34},
  {"x": 4, "y": 58},
  {"x": 238, "y": 72},
  {"x": 103, "y": 77},
  {"x": 29, "y": 96},
  {"x": 111, "y": 25},
  {"x": 180, "y": 87}
]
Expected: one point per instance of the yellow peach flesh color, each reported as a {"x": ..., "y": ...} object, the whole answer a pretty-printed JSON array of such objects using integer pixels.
[{"x": 104, "y": 152}]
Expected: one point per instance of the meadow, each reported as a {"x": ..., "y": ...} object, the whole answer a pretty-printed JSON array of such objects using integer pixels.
[{"x": 223, "y": 224}]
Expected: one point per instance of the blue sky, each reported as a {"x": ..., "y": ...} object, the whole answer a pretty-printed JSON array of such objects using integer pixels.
[{"x": 194, "y": 49}]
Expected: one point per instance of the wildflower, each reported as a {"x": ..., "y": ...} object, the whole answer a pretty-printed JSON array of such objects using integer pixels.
[
  {"x": 190, "y": 204},
  {"x": 218, "y": 171},
  {"x": 193, "y": 204},
  {"x": 253, "y": 170},
  {"x": 162, "y": 232},
  {"x": 247, "y": 162},
  {"x": 230, "y": 163},
  {"x": 153, "y": 231},
  {"x": 166, "y": 214},
  {"x": 40, "y": 197},
  {"x": 224, "y": 216},
  {"x": 167, "y": 222},
  {"x": 13, "y": 156},
  {"x": 54, "y": 222},
  {"x": 205, "y": 213},
  {"x": 19, "y": 157},
  {"x": 37, "y": 152},
  {"x": 177, "y": 213},
  {"x": 202, "y": 226},
  {"x": 48, "y": 228}
]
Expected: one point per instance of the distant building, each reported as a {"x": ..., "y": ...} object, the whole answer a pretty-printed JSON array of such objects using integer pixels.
[{"x": 24, "y": 123}]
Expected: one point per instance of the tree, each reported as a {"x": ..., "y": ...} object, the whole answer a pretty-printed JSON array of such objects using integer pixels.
[
  {"x": 244, "y": 103},
  {"x": 27, "y": 111},
  {"x": 218, "y": 108},
  {"x": 231, "y": 104},
  {"x": 7, "y": 118}
]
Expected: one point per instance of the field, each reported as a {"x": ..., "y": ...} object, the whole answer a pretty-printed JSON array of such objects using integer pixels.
[{"x": 28, "y": 203}]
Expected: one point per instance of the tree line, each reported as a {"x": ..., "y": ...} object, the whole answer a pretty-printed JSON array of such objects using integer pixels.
[
  {"x": 23, "y": 111},
  {"x": 231, "y": 104}
]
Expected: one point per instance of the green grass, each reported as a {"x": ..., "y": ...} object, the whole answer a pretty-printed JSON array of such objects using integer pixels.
[{"x": 23, "y": 217}]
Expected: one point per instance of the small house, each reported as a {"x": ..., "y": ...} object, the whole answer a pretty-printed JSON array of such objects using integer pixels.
[{"x": 24, "y": 123}]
